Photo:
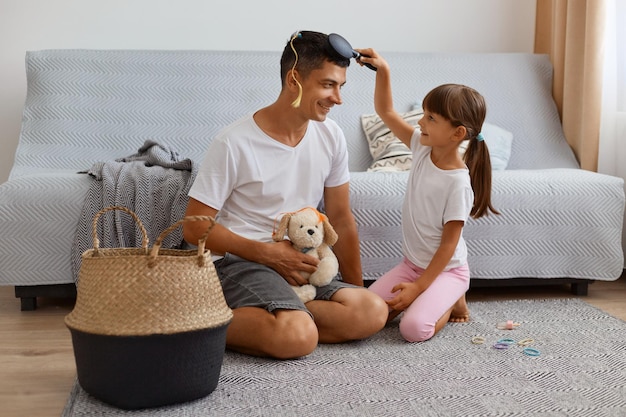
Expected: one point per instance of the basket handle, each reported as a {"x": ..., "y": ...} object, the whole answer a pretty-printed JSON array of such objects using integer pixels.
[
  {"x": 96, "y": 241},
  {"x": 154, "y": 252}
]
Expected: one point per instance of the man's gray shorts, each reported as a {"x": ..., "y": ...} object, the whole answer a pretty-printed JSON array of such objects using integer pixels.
[{"x": 249, "y": 284}]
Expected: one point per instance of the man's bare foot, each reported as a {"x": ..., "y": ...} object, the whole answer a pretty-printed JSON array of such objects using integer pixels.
[{"x": 460, "y": 312}]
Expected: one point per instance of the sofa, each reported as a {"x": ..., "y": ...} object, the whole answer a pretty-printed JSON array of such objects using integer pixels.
[{"x": 559, "y": 224}]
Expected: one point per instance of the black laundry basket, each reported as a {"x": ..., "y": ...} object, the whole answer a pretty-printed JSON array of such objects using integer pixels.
[{"x": 149, "y": 325}]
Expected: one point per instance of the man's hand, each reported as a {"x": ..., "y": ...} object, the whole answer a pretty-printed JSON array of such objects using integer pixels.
[{"x": 288, "y": 262}]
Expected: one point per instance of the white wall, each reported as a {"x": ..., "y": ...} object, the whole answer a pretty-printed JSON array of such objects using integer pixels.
[{"x": 392, "y": 25}]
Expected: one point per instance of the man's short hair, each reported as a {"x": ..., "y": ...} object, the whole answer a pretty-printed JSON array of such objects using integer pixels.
[{"x": 313, "y": 49}]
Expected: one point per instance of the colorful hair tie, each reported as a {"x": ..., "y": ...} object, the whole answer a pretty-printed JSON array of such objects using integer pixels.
[
  {"x": 478, "y": 340},
  {"x": 531, "y": 352},
  {"x": 480, "y": 137},
  {"x": 526, "y": 342},
  {"x": 507, "y": 341}
]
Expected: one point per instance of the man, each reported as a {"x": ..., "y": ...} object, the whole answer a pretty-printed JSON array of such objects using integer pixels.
[{"x": 282, "y": 158}]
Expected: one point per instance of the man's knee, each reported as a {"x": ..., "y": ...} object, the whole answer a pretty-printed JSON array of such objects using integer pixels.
[
  {"x": 368, "y": 313},
  {"x": 378, "y": 311},
  {"x": 295, "y": 335}
]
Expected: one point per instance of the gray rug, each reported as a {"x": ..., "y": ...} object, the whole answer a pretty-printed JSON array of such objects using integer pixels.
[{"x": 580, "y": 371}]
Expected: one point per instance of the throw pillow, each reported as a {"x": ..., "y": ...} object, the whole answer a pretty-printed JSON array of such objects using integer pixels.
[
  {"x": 499, "y": 142},
  {"x": 388, "y": 152}
]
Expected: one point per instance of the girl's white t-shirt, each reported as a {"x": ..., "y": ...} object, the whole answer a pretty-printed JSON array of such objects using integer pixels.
[
  {"x": 252, "y": 179},
  {"x": 433, "y": 198}
]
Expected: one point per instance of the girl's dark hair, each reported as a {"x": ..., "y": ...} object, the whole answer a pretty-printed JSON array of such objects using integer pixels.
[
  {"x": 464, "y": 106},
  {"x": 313, "y": 49}
]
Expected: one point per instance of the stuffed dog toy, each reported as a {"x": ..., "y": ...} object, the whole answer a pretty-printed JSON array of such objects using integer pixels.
[{"x": 310, "y": 232}]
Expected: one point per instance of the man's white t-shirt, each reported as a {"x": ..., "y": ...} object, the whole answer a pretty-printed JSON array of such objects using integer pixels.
[
  {"x": 252, "y": 179},
  {"x": 433, "y": 198}
]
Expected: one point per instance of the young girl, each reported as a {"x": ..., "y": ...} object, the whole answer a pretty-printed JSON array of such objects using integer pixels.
[{"x": 429, "y": 286}]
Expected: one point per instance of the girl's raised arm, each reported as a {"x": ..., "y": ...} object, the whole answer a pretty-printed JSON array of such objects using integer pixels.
[{"x": 383, "y": 99}]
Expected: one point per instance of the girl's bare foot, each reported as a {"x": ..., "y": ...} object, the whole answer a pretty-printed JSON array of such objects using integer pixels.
[{"x": 460, "y": 312}]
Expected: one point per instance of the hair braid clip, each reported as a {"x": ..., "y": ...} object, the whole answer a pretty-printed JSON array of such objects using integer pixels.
[{"x": 296, "y": 102}]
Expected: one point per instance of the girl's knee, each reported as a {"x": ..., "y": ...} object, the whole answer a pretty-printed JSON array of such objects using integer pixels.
[{"x": 413, "y": 330}]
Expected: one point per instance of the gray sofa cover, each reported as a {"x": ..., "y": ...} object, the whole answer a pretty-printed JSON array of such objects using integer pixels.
[{"x": 86, "y": 106}]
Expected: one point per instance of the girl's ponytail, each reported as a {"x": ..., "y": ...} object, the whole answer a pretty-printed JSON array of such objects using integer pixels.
[{"x": 477, "y": 159}]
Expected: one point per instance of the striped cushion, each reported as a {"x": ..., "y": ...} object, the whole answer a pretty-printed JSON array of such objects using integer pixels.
[{"x": 388, "y": 152}]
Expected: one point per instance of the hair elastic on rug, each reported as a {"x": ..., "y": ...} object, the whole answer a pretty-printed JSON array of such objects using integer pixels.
[
  {"x": 525, "y": 342},
  {"x": 478, "y": 340},
  {"x": 531, "y": 352},
  {"x": 505, "y": 343}
]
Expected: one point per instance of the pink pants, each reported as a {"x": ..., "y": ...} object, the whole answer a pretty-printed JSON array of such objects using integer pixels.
[{"x": 418, "y": 321}]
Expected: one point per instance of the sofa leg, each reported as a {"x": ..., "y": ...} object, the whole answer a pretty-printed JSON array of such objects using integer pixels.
[
  {"x": 580, "y": 288},
  {"x": 28, "y": 303},
  {"x": 28, "y": 294},
  {"x": 28, "y": 298}
]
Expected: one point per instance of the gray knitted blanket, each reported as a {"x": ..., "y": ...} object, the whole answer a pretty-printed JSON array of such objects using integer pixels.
[{"x": 153, "y": 183}]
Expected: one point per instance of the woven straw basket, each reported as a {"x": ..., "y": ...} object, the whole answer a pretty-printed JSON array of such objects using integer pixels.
[{"x": 149, "y": 324}]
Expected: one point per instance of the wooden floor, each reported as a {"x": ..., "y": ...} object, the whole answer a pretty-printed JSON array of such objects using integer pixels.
[{"x": 37, "y": 366}]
